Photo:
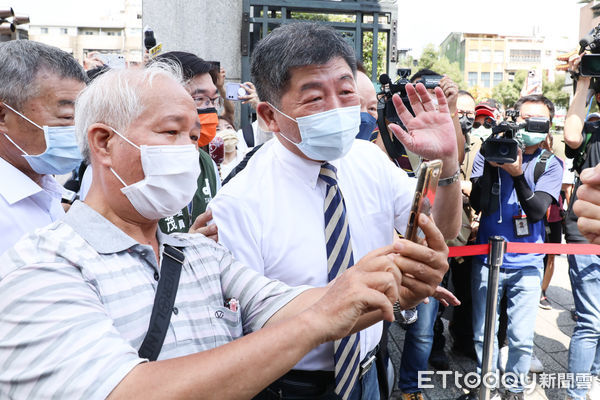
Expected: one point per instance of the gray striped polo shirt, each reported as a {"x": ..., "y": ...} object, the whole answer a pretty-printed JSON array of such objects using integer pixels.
[{"x": 76, "y": 299}]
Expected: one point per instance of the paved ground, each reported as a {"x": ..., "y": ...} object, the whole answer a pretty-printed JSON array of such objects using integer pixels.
[{"x": 552, "y": 335}]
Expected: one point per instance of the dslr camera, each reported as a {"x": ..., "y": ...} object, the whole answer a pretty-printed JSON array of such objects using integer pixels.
[{"x": 503, "y": 145}]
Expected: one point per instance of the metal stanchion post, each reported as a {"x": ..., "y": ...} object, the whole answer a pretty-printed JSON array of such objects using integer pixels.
[{"x": 496, "y": 255}]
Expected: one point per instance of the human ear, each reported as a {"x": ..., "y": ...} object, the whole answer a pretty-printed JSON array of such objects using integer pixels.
[
  {"x": 98, "y": 136},
  {"x": 267, "y": 114}
]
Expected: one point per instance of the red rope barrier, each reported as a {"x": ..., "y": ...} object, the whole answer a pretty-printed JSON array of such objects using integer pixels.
[{"x": 525, "y": 248}]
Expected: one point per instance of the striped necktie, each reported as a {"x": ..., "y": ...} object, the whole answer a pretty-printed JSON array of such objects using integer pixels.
[{"x": 339, "y": 258}]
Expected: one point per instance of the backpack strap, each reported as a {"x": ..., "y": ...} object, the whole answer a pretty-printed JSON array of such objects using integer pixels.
[
  {"x": 541, "y": 164},
  {"x": 248, "y": 133},
  {"x": 164, "y": 299}
]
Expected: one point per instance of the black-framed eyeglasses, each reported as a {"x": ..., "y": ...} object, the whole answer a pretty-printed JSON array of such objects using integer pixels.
[
  {"x": 468, "y": 114},
  {"x": 487, "y": 123}
]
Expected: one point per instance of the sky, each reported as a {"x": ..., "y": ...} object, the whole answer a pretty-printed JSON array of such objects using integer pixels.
[
  {"x": 435, "y": 19},
  {"x": 419, "y": 22}
]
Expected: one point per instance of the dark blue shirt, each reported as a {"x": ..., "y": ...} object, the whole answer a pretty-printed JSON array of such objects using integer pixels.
[{"x": 501, "y": 222}]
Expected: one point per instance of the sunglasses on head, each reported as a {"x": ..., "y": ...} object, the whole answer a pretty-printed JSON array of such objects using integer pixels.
[{"x": 487, "y": 123}]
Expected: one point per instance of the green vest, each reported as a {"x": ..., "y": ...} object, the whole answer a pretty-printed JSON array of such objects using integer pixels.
[{"x": 207, "y": 188}]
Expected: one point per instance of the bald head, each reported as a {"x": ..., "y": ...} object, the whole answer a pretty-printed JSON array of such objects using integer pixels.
[{"x": 366, "y": 91}]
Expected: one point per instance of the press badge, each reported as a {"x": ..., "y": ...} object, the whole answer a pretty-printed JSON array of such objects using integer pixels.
[{"x": 521, "y": 226}]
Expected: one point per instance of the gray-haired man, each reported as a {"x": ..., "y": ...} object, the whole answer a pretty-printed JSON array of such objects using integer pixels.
[
  {"x": 37, "y": 97},
  {"x": 315, "y": 199},
  {"x": 77, "y": 296}
]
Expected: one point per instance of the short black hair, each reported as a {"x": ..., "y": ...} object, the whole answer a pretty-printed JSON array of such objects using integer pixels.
[
  {"x": 191, "y": 64},
  {"x": 536, "y": 98},
  {"x": 295, "y": 45},
  {"x": 421, "y": 73}
]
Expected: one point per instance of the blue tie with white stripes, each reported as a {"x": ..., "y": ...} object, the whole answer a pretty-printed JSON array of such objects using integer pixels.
[{"x": 339, "y": 258}]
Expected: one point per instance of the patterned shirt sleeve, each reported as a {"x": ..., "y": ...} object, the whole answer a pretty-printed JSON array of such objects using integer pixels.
[
  {"x": 53, "y": 324},
  {"x": 260, "y": 297}
]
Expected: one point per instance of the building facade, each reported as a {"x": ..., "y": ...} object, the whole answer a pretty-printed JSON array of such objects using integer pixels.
[{"x": 119, "y": 33}]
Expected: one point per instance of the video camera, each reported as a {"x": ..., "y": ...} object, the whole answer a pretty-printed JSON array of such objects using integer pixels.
[
  {"x": 503, "y": 145},
  {"x": 590, "y": 63},
  {"x": 386, "y": 112},
  {"x": 399, "y": 87}
]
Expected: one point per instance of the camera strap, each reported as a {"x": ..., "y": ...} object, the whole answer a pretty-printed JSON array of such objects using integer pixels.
[
  {"x": 394, "y": 148},
  {"x": 164, "y": 299}
]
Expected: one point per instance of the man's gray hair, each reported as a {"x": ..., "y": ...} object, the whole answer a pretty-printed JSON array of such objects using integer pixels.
[
  {"x": 20, "y": 63},
  {"x": 294, "y": 45},
  {"x": 114, "y": 98}
]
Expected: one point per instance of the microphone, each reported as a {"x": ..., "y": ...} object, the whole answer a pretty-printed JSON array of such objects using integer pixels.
[{"x": 385, "y": 79}]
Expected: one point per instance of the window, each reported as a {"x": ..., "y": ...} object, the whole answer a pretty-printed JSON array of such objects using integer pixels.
[
  {"x": 44, "y": 30},
  {"x": 472, "y": 79},
  {"x": 529, "y": 56},
  {"x": 486, "y": 56},
  {"x": 64, "y": 31},
  {"x": 111, "y": 33},
  {"x": 498, "y": 77},
  {"x": 88, "y": 33},
  {"x": 485, "y": 79},
  {"x": 498, "y": 56},
  {"x": 473, "y": 56}
]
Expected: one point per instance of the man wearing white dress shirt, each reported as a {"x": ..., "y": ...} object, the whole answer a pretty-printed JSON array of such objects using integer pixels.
[
  {"x": 37, "y": 97},
  {"x": 271, "y": 215}
]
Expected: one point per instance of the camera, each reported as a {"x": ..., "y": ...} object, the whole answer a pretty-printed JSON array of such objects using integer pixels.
[
  {"x": 503, "y": 145},
  {"x": 590, "y": 63}
]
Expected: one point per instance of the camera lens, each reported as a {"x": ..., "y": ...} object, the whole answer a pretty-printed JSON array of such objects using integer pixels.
[{"x": 503, "y": 150}]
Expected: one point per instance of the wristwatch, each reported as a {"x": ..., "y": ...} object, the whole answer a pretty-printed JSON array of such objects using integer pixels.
[
  {"x": 450, "y": 180},
  {"x": 405, "y": 317}
]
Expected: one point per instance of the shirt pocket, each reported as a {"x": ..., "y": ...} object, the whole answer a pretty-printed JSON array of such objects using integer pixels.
[{"x": 226, "y": 324}]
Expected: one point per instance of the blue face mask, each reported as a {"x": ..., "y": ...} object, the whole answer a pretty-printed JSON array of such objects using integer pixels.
[
  {"x": 62, "y": 154},
  {"x": 367, "y": 126},
  {"x": 327, "y": 135}
]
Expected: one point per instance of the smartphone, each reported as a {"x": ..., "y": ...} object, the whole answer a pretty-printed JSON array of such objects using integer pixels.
[
  {"x": 233, "y": 91},
  {"x": 427, "y": 180},
  {"x": 112, "y": 60},
  {"x": 216, "y": 65},
  {"x": 590, "y": 65}
]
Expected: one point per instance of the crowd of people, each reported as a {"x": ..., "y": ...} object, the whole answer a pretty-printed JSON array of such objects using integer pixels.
[{"x": 186, "y": 258}]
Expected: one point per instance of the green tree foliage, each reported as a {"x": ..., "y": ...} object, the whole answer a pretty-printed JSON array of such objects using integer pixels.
[
  {"x": 433, "y": 60},
  {"x": 509, "y": 92}
]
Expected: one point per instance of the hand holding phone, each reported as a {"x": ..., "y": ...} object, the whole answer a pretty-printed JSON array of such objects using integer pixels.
[
  {"x": 233, "y": 91},
  {"x": 427, "y": 180}
]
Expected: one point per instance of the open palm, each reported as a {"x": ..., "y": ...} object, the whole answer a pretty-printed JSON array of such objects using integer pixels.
[{"x": 430, "y": 132}]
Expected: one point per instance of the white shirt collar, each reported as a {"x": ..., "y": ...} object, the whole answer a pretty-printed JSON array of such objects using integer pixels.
[
  {"x": 17, "y": 186},
  {"x": 306, "y": 171}
]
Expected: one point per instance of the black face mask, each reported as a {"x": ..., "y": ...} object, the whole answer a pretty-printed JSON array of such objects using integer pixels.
[
  {"x": 591, "y": 126},
  {"x": 466, "y": 124}
]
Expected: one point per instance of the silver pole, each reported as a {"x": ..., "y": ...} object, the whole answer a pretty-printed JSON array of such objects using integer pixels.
[{"x": 496, "y": 255}]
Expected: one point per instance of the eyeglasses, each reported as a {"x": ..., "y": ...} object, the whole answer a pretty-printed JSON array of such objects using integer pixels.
[
  {"x": 206, "y": 102},
  {"x": 468, "y": 114},
  {"x": 487, "y": 123}
]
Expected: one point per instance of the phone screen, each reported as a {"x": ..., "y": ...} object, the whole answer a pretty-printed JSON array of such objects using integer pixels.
[{"x": 427, "y": 180}]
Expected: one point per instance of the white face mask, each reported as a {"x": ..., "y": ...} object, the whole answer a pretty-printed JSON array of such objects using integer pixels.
[
  {"x": 327, "y": 135},
  {"x": 170, "y": 179}
]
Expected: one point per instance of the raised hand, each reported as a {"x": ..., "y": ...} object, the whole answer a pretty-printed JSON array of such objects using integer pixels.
[
  {"x": 430, "y": 133},
  {"x": 587, "y": 206}
]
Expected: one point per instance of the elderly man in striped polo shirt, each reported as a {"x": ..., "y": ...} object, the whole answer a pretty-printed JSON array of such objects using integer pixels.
[{"x": 76, "y": 297}]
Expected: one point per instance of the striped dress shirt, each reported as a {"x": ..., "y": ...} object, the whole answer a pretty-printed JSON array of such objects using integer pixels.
[{"x": 76, "y": 299}]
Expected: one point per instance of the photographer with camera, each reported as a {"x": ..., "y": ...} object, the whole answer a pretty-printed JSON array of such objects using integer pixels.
[
  {"x": 514, "y": 182},
  {"x": 582, "y": 144}
]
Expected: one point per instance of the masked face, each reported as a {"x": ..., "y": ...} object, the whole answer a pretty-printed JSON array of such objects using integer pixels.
[
  {"x": 170, "y": 179},
  {"x": 466, "y": 124},
  {"x": 62, "y": 154},
  {"x": 367, "y": 126},
  {"x": 327, "y": 135},
  {"x": 230, "y": 139},
  {"x": 591, "y": 126},
  {"x": 208, "y": 125}
]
